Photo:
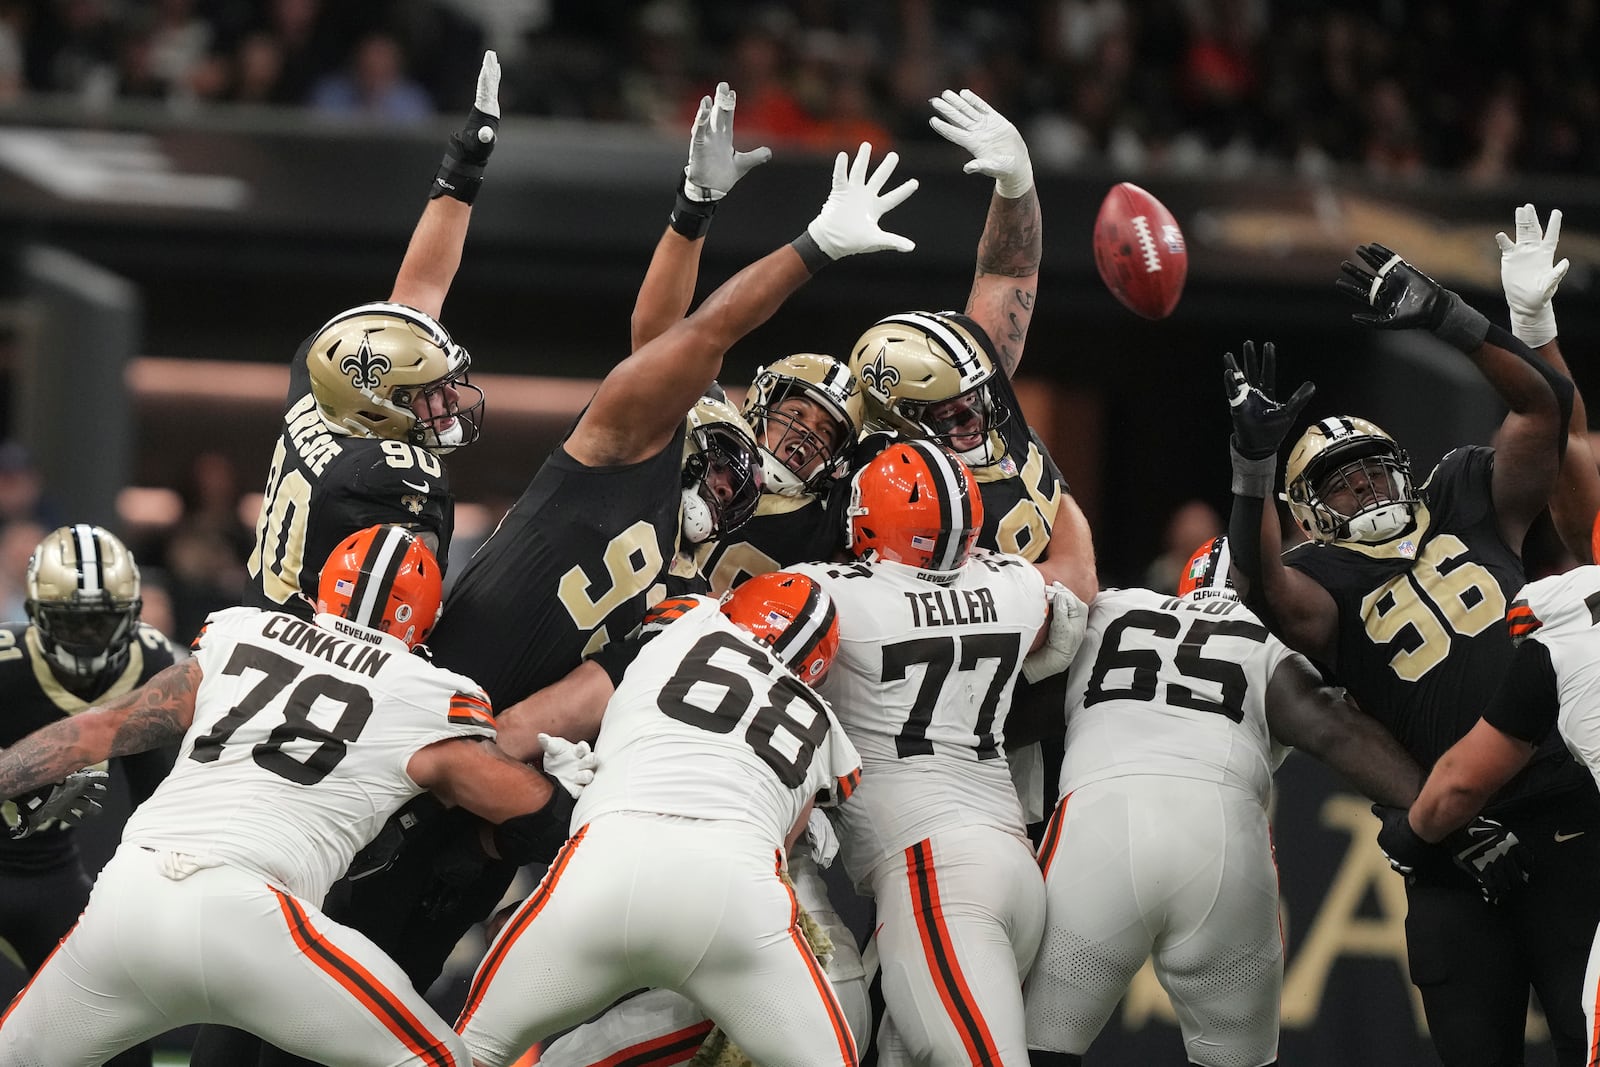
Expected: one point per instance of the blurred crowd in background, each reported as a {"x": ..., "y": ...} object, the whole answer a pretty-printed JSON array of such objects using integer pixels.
[
  {"x": 1403, "y": 88},
  {"x": 1398, "y": 88}
]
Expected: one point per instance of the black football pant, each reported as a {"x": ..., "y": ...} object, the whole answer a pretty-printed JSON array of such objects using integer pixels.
[
  {"x": 36, "y": 911},
  {"x": 405, "y": 910},
  {"x": 1474, "y": 962}
]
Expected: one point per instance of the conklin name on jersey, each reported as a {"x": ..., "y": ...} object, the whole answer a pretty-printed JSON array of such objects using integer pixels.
[
  {"x": 922, "y": 683},
  {"x": 708, "y": 724},
  {"x": 1171, "y": 687},
  {"x": 299, "y": 746}
]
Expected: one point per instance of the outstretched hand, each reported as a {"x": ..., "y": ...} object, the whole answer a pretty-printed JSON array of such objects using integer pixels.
[
  {"x": 848, "y": 222},
  {"x": 714, "y": 167},
  {"x": 1401, "y": 296},
  {"x": 460, "y": 174},
  {"x": 998, "y": 150},
  {"x": 1260, "y": 422},
  {"x": 1530, "y": 275}
]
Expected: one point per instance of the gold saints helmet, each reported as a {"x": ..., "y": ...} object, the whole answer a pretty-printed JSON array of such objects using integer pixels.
[
  {"x": 927, "y": 375},
  {"x": 794, "y": 458},
  {"x": 83, "y": 601},
  {"x": 1344, "y": 452},
  {"x": 370, "y": 365},
  {"x": 721, "y": 471}
]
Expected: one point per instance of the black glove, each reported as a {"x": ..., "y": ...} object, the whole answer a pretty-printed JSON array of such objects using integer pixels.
[
  {"x": 1401, "y": 845},
  {"x": 67, "y": 803},
  {"x": 461, "y": 173},
  {"x": 1492, "y": 856},
  {"x": 1400, "y": 295},
  {"x": 1260, "y": 423}
]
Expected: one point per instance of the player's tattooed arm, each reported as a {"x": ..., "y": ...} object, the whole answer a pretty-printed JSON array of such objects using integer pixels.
[
  {"x": 1006, "y": 283},
  {"x": 158, "y": 713}
]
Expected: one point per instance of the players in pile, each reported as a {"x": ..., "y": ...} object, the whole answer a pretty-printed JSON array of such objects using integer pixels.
[
  {"x": 1401, "y": 592},
  {"x": 209, "y": 911},
  {"x": 932, "y": 639},
  {"x": 715, "y": 750},
  {"x": 83, "y": 644},
  {"x": 1179, "y": 709},
  {"x": 573, "y": 563}
]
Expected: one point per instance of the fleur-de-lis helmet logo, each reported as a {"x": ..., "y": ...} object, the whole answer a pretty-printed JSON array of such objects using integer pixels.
[
  {"x": 878, "y": 377},
  {"x": 364, "y": 366}
]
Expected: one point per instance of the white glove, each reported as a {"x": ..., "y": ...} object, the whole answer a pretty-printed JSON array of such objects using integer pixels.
[
  {"x": 714, "y": 167},
  {"x": 68, "y": 803},
  {"x": 1528, "y": 276},
  {"x": 570, "y": 764},
  {"x": 1069, "y": 619},
  {"x": 824, "y": 842},
  {"x": 998, "y": 150},
  {"x": 488, "y": 98},
  {"x": 848, "y": 222}
]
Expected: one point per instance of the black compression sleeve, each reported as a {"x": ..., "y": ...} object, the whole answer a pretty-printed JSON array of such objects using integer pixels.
[
  {"x": 1560, "y": 384},
  {"x": 1528, "y": 700}
]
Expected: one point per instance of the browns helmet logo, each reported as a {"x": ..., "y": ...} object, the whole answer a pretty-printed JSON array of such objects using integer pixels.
[
  {"x": 878, "y": 377},
  {"x": 364, "y": 365}
]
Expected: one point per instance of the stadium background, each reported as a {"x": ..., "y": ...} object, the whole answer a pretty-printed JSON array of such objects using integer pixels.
[{"x": 173, "y": 222}]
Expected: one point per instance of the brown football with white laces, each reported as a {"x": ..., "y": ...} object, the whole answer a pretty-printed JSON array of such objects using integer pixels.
[{"x": 1140, "y": 251}]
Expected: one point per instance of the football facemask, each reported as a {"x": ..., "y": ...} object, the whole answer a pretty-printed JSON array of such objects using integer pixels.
[
  {"x": 1348, "y": 480},
  {"x": 721, "y": 472},
  {"x": 806, "y": 411},
  {"x": 83, "y": 600}
]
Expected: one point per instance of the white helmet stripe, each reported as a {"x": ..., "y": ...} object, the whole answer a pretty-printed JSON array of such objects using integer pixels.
[
  {"x": 378, "y": 573},
  {"x": 965, "y": 360},
  {"x": 399, "y": 311},
  {"x": 91, "y": 568},
  {"x": 802, "y": 634},
  {"x": 952, "y": 496}
]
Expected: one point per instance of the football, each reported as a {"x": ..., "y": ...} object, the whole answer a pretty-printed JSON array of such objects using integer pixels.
[{"x": 1140, "y": 251}]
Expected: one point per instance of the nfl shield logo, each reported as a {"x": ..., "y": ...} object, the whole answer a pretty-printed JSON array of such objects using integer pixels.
[{"x": 1408, "y": 548}]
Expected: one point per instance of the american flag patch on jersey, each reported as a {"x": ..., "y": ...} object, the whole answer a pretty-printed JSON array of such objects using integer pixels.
[{"x": 471, "y": 709}]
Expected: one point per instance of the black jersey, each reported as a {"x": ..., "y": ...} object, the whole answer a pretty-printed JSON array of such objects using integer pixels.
[
  {"x": 785, "y": 530},
  {"x": 572, "y": 566},
  {"x": 35, "y": 698},
  {"x": 323, "y": 487},
  {"x": 1422, "y": 642}
]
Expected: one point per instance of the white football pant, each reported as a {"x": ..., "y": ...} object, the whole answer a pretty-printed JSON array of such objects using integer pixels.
[
  {"x": 640, "y": 900},
  {"x": 166, "y": 942},
  {"x": 1171, "y": 869}
]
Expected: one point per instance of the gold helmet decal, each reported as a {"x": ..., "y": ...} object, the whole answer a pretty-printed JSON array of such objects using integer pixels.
[
  {"x": 375, "y": 367},
  {"x": 927, "y": 376},
  {"x": 83, "y": 600}
]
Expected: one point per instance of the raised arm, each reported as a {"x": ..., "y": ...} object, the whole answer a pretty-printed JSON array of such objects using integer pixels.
[
  {"x": 157, "y": 713},
  {"x": 570, "y": 708},
  {"x": 434, "y": 254},
  {"x": 1296, "y": 608},
  {"x": 1070, "y": 556},
  {"x": 640, "y": 404},
  {"x": 1530, "y": 276},
  {"x": 1006, "y": 282},
  {"x": 1533, "y": 436},
  {"x": 1322, "y": 721},
  {"x": 713, "y": 169}
]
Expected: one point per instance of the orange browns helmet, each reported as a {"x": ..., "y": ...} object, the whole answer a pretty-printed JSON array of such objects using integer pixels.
[
  {"x": 790, "y": 614},
  {"x": 384, "y": 578},
  {"x": 914, "y": 504},
  {"x": 1206, "y": 573}
]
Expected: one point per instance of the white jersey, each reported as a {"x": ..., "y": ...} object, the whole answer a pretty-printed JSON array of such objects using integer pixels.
[
  {"x": 707, "y": 724},
  {"x": 298, "y": 750},
  {"x": 1561, "y": 605},
  {"x": 1171, "y": 687},
  {"x": 923, "y": 683}
]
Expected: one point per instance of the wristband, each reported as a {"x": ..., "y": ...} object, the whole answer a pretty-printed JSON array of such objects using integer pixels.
[
  {"x": 691, "y": 218},
  {"x": 1252, "y": 477},
  {"x": 1461, "y": 325},
  {"x": 811, "y": 253},
  {"x": 460, "y": 173}
]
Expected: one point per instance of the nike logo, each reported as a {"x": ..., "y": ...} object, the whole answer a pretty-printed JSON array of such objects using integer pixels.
[
  {"x": 1568, "y": 837},
  {"x": 423, "y": 488}
]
